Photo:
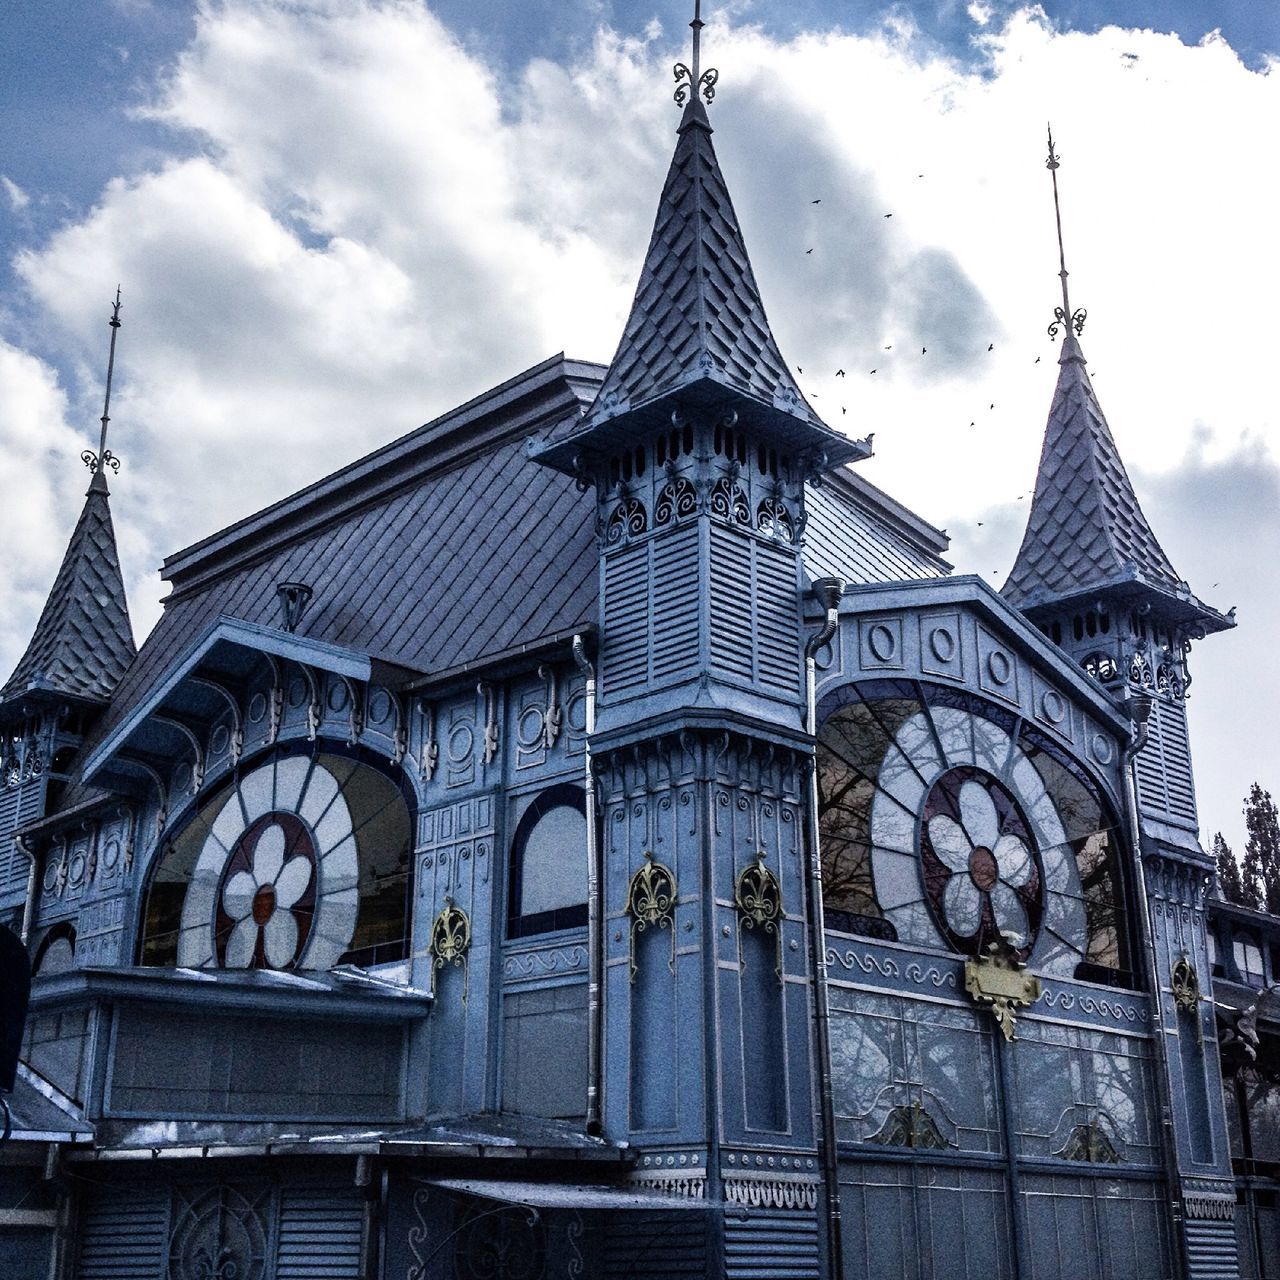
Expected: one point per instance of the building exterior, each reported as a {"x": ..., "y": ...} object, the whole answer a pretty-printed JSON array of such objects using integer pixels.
[{"x": 596, "y": 835}]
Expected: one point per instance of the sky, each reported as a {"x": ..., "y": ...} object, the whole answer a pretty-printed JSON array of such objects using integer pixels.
[{"x": 333, "y": 220}]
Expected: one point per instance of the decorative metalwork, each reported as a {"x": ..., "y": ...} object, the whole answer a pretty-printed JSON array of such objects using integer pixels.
[
  {"x": 758, "y": 897},
  {"x": 627, "y": 520},
  {"x": 1089, "y": 1143},
  {"x": 219, "y": 1235},
  {"x": 1140, "y": 672},
  {"x": 774, "y": 520},
  {"x": 1185, "y": 984},
  {"x": 107, "y": 459},
  {"x": 103, "y": 457},
  {"x": 1063, "y": 316},
  {"x": 450, "y": 941},
  {"x": 999, "y": 980},
  {"x": 676, "y": 499},
  {"x": 487, "y": 692},
  {"x": 729, "y": 502},
  {"x": 508, "y": 1241},
  {"x": 553, "y": 716},
  {"x": 651, "y": 904},
  {"x": 294, "y": 599},
  {"x": 430, "y": 755},
  {"x": 911, "y": 1126},
  {"x": 695, "y": 80},
  {"x": 1102, "y": 667}
]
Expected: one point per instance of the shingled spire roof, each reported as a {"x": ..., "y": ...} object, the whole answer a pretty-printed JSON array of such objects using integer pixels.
[
  {"x": 82, "y": 642},
  {"x": 1086, "y": 530},
  {"x": 697, "y": 327}
]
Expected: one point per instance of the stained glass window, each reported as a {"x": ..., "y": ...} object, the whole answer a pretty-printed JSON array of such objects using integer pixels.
[
  {"x": 303, "y": 863},
  {"x": 548, "y": 882},
  {"x": 946, "y": 821}
]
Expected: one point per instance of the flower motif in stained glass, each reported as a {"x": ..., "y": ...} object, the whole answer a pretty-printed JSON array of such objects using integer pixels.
[
  {"x": 980, "y": 869},
  {"x": 267, "y": 896}
]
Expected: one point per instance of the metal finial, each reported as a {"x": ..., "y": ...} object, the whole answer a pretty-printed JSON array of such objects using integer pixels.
[
  {"x": 104, "y": 457},
  {"x": 1062, "y": 315},
  {"x": 695, "y": 81}
]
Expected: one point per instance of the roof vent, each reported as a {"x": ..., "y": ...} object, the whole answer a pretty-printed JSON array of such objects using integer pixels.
[{"x": 294, "y": 599}]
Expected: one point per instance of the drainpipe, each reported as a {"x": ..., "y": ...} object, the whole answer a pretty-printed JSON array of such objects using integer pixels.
[
  {"x": 1141, "y": 707},
  {"x": 33, "y": 883},
  {"x": 828, "y": 591},
  {"x": 595, "y": 921}
]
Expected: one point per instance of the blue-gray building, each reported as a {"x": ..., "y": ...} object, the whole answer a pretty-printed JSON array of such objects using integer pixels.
[{"x": 596, "y": 835}]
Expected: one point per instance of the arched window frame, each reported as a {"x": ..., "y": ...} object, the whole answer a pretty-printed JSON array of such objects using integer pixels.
[{"x": 562, "y": 795}]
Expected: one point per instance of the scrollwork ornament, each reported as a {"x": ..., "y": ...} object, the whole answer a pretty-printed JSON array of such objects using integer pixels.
[
  {"x": 706, "y": 84},
  {"x": 729, "y": 502},
  {"x": 450, "y": 941},
  {"x": 93, "y": 462},
  {"x": 628, "y": 519},
  {"x": 1062, "y": 320},
  {"x": 677, "y": 499},
  {"x": 651, "y": 904},
  {"x": 758, "y": 897},
  {"x": 1185, "y": 984},
  {"x": 774, "y": 520}
]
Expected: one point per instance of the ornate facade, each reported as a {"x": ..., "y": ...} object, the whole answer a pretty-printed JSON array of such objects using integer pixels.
[{"x": 596, "y": 835}]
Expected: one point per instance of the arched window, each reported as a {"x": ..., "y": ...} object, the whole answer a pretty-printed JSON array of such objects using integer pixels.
[
  {"x": 302, "y": 863},
  {"x": 57, "y": 951},
  {"x": 946, "y": 820},
  {"x": 548, "y": 881}
]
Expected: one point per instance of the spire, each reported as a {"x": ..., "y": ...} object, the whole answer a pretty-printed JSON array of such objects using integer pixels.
[
  {"x": 83, "y": 641},
  {"x": 697, "y": 327},
  {"x": 1086, "y": 533}
]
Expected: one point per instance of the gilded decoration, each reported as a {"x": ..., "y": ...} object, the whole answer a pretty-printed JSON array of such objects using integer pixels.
[
  {"x": 450, "y": 941},
  {"x": 651, "y": 904},
  {"x": 758, "y": 897},
  {"x": 911, "y": 1126},
  {"x": 1186, "y": 985},
  {"x": 1089, "y": 1142},
  {"x": 999, "y": 980}
]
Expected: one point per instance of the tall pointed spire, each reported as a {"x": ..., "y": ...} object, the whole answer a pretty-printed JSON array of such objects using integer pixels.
[
  {"x": 697, "y": 329},
  {"x": 1086, "y": 532},
  {"x": 83, "y": 641}
]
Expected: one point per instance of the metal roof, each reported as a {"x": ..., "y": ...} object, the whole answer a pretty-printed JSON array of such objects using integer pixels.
[
  {"x": 1086, "y": 531},
  {"x": 83, "y": 641}
]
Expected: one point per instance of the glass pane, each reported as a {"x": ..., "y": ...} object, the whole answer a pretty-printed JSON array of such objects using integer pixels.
[{"x": 554, "y": 870}]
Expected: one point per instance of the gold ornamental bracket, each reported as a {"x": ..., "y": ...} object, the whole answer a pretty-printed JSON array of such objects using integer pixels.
[
  {"x": 1000, "y": 981},
  {"x": 758, "y": 898},
  {"x": 651, "y": 904},
  {"x": 1185, "y": 983},
  {"x": 450, "y": 942}
]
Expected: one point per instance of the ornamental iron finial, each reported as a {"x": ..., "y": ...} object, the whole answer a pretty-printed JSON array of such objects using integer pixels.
[
  {"x": 1063, "y": 315},
  {"x": 104, "y": 457},
  {"x": 695, "y": 81}
]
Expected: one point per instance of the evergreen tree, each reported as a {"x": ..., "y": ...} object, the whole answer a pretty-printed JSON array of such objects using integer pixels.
[
  {"x": 1262, "y": 850},
  {"x": 1230, "y": 880}
]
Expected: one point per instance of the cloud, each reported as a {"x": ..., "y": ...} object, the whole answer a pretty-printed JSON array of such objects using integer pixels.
[
  {"x": 360, "y": 223},
  {"x": 18, "y": 199}
]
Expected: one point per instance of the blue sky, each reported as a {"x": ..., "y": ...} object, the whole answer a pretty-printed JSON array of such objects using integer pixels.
[{"x": 333, "y": 219}]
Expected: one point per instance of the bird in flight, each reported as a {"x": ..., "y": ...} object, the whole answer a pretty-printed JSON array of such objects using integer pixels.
[
  {"x": 991, "y": 346},
  {"x": 888, "y": 215},
  {"x": 1037, "y": 360},
  {"x": 839, "y": 373},
  {"x": 818, "y": 201},
  {"x": 923, "y": 350},
  {"x": 808, "y": 251},
  {"x": 889, "y": 347},
  {"x": 873, "y": 371}
]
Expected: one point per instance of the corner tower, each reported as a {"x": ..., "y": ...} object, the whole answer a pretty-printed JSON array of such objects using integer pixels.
[
  {"x": 1092, "y": 575},
  {"x": 698, "y": 447},
  {"x": 81, "y": 646}
]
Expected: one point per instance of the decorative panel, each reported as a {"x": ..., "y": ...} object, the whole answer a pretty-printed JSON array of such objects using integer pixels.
[
  {"x": 880, "y": 643},
  {"x": 941, "y": 645},
  {"x": 997, "y": 667}
]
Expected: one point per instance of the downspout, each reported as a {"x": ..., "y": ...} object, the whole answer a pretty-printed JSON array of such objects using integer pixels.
[
  {"x": 828, "y": 591},
  {"x": 595, "y": 879},
  {"x": 1141, "y": 707},
  {"x": 33, "y": 882}
]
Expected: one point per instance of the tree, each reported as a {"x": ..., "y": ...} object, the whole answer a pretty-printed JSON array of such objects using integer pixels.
[
  {"x": 1262, "y": 850},
  {"x": 1230, "y": 880}
]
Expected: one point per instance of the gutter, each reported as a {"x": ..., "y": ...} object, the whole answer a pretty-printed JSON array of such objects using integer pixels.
[{"x": 828, "y": 591}]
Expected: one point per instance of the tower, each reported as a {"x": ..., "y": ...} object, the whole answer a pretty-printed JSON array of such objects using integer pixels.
[
  {"x": 1091, "y": 574},
  {"x": 698, "y": 446},
  {"x": 81, "y": 646}
]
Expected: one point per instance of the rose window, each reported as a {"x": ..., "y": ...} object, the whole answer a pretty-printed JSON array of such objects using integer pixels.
[{"x": 979, "y": 863}]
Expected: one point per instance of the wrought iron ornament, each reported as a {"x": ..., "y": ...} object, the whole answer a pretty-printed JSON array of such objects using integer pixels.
[
  {"x": 1185, "y": 983},
  {"x": 1063, "y": 316},
  {"x": 651, "y": 904},
  {"x": 758, "y": 897},
  {"x": 450, "y": 942},
  {"x": 694, "y": 80}
]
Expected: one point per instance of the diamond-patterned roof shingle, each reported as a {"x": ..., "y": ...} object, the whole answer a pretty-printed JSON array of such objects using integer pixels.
[
  {"x": 83, "y": 641},
  {"x": 1086, "y": 529},
  {"x": 697, "y": 311}
]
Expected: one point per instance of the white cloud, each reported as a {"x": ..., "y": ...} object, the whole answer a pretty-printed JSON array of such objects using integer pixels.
[
  {"x": 375, "y": 228},
  {"x": 18, "y": 199}
]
